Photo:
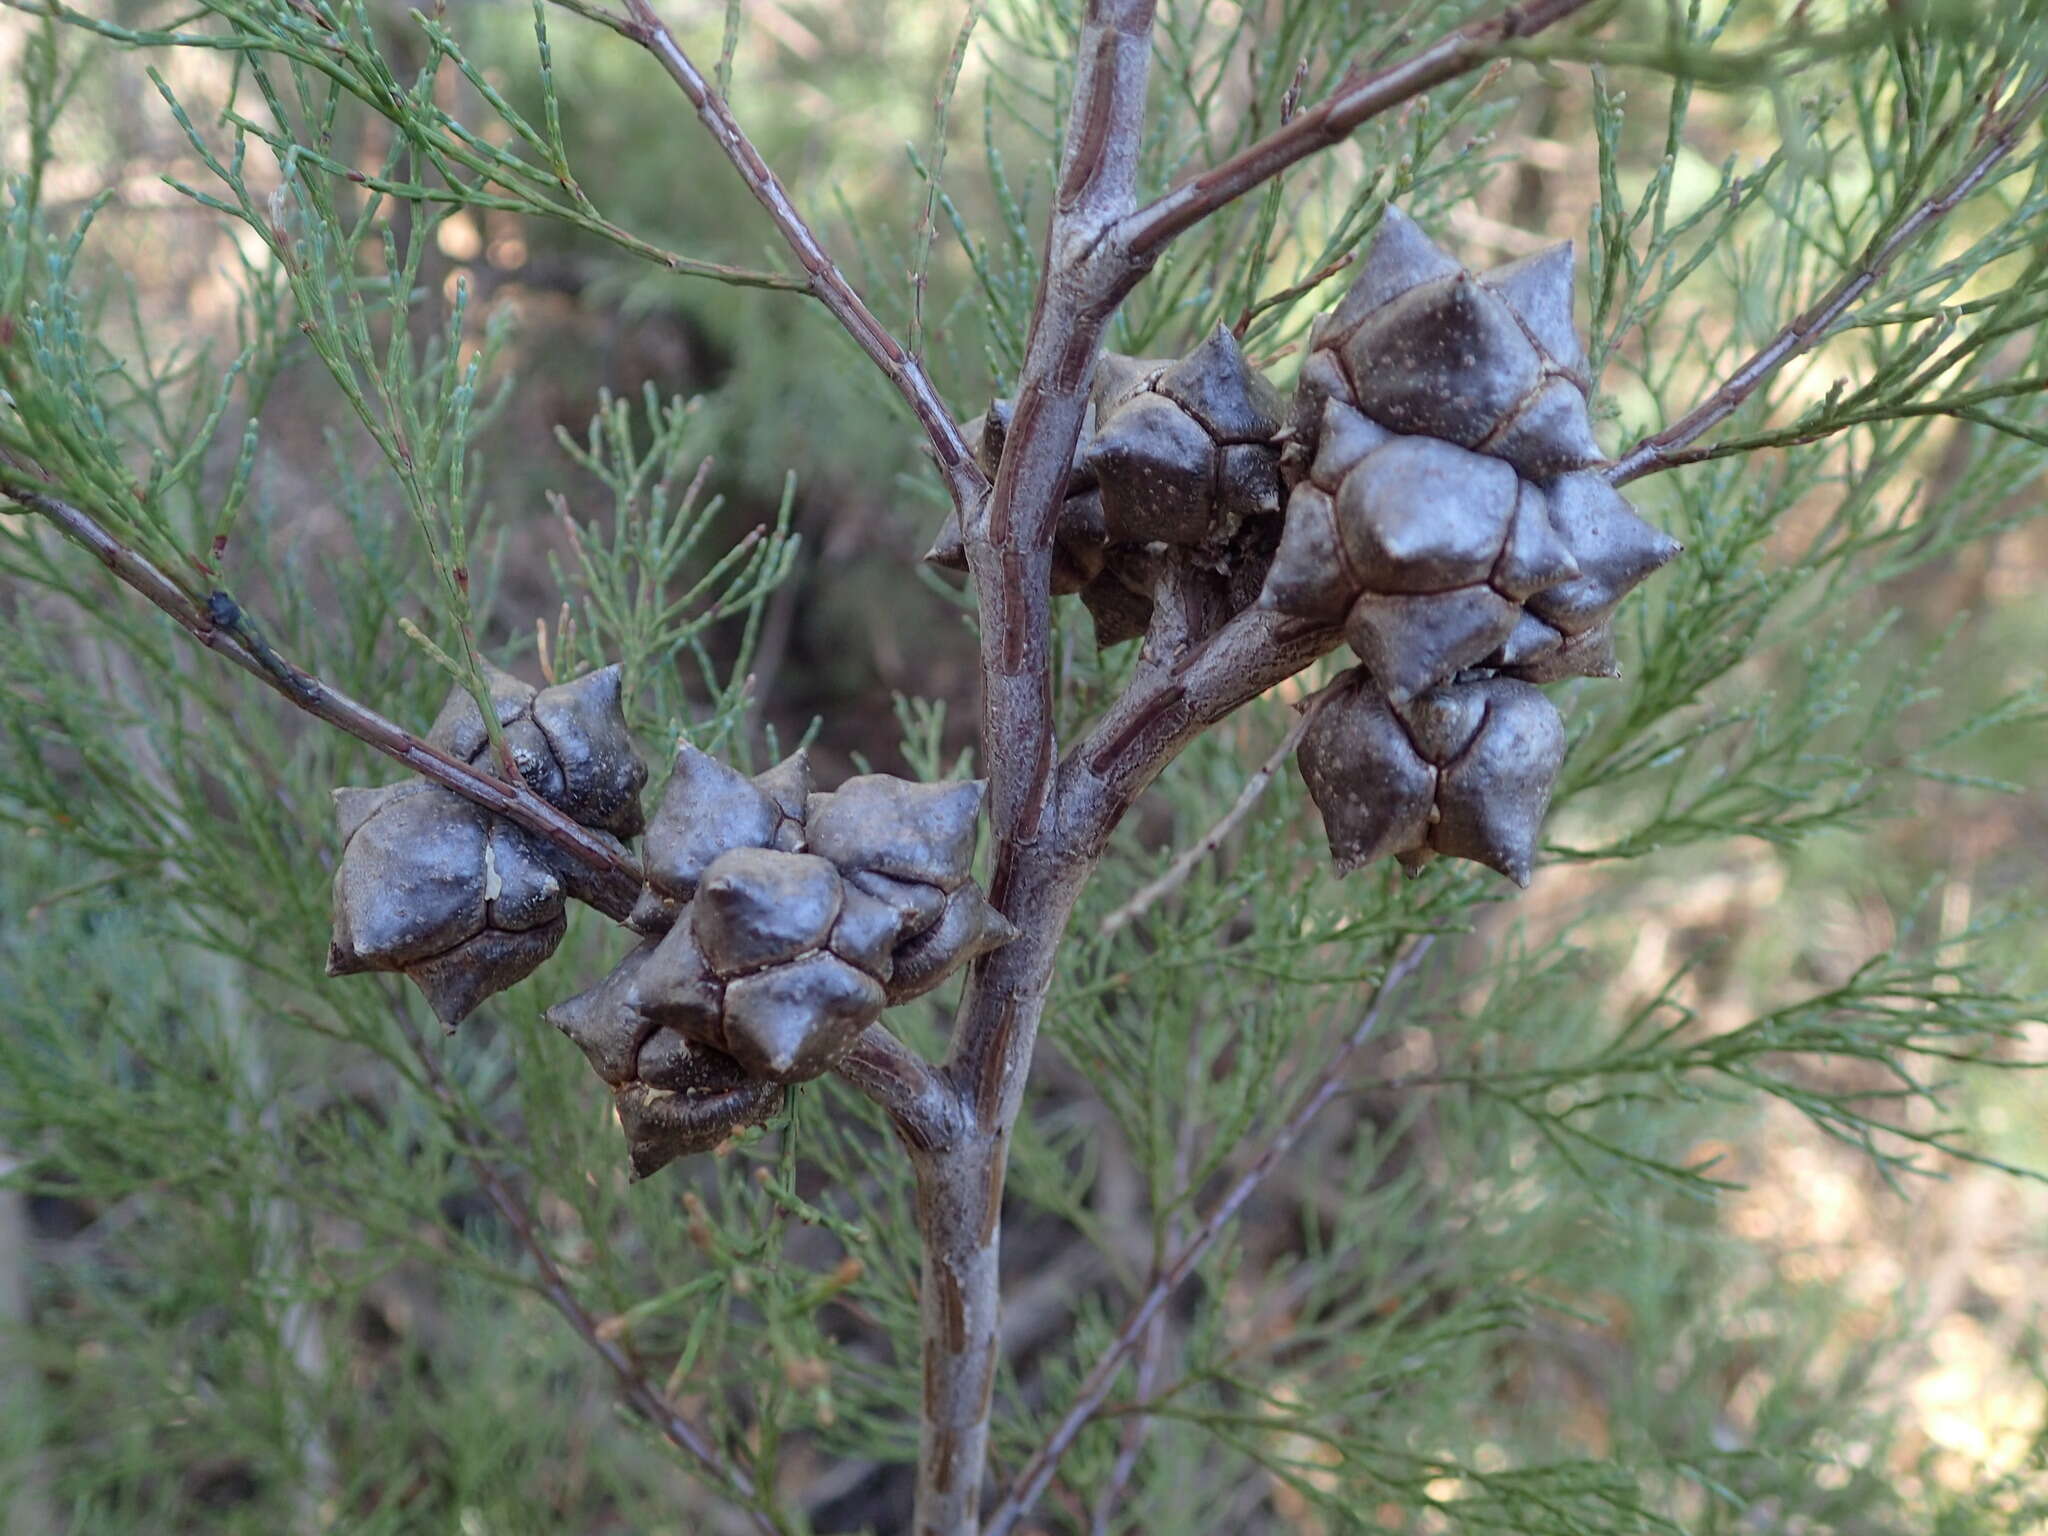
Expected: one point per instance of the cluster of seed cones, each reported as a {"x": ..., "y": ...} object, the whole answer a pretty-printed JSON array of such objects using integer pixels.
[
  {"x": 1447, "y": 514},
  {"x": 777, "y": 922},
  {"x": 1430, "y": 492},
  {"x": 790, "y": 920},
  {"x": 1442, "y": 508},
  {"x": 464, "y": 902},
  {"x": 1176, "y": 478}
]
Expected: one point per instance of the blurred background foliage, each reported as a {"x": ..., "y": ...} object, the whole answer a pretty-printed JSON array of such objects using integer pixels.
[{"x": 1683, "y": 1195}]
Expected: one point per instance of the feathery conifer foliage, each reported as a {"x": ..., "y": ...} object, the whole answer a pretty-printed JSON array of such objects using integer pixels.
[{"x": 1320, "y": 1187}]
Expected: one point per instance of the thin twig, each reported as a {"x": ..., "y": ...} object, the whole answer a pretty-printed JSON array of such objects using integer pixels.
[
  {"x": 634, "y": 1384},
  {"x": 1145, "y": 1371},
  {"x": 829, "y": 285},
  {"x": 1094, "y": 1390},
  {"x": 934, "y": 173},
  {"x": 1177, "y": 873},
  {"x": 1665, "y": 449},
  {"x": 1033, "y": 877},
  {"x": 1332, "y": 120},
  {"x": 619, "y": 875}
]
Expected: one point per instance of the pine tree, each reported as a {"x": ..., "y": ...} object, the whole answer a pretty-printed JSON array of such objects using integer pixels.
[{"x": 1204, "y": 339}]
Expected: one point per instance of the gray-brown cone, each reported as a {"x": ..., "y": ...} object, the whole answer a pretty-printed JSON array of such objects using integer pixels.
[
  {"x": 708, "y": 808},
  {"x": 789, "y": 920},
  {"x": 1422, "y": 551},
  {"x": 1173, "y": 453},
  {"x": 1183, "y": 451},
  {"x": 464, "y": 903},
  {"x": 1080, "y": 540},
  {"x": 1489, "y": 361},
  {"x": 569, "y": 741},
  {"x": 674, "y": 1095},
  {"x": 663, "y": 1124},
  {"x": 1464, "y": 770},
  {"x": 1441, "y": 512}
]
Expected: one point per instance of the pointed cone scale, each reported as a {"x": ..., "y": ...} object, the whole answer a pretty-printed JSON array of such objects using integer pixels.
[
  {"x": 456, "y": 982},
  {"x": 342, "y": 960},
  {"x": 1421, "y": 516},
  {"x": 968, "y": 928},
  {"x": 602, "y": 771},
  {"x": 674, "y": 987},
  {"x": 1249, "y": 561},
  {"x": 1309, "y": 578},
  {"x": 1343, "y": 437},
  {"x": 1118, "y": 378},
  {"x": 1119, "y": 613},
  {"x": 1533, "y": 556},
  {"x": 669, "y": 1061},
  {"x": 411, "y": 883},
  {"x": 520, "y": 888},
  {"x": 1400, "y": 257},
  {"x": 661, "y": 1125},
  {"x": 1590, "y": 653},
  {"x": 603, "y": 1021},
  {"x": 1446, "y": 360},
  {"x": 706, "y": 808},
  {"x": 1372, "y": 790},
  {"x": 1322, "y": 379},
  {"x": 1080, "y": 547},
  {"x": 1415, "y": 860},
  {"x": 458, "y": 729},
  {"x": 1527, "y": 645},
  {"x": 1550, "y": 433},
  {"x": 1215, "y": 385},
  {"x": 1614, "y": 549},
  {"x": 534, "y": 756},
  {"x": 789, "y": 784},
  {"x": 868, "y": 931},
  {"x": 1413, "y": 643},
  {"x": 791, "y": 1023},
  {"x": 1443, "y": 722},
  {"x": 916, "y": 905},
  {"x": 1155, "y": 467},
  {"x": 755, "y": 907},
  {"x": 354, "y": 806},
  {"x": 898, "y": 827},
  {"x": 1493, "y": 798},
  {"x": 987, "y": 434},
  {"x": 949, "y": 548},
  {"x": 1538, "y": 289},
  {"x": 653, "y": 914},
  {"x": 1247, "y": 486}
]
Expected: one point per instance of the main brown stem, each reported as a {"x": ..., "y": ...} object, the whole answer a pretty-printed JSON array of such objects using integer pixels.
[{"x": 1052, "y": 819}]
